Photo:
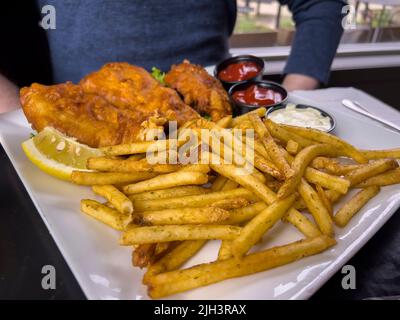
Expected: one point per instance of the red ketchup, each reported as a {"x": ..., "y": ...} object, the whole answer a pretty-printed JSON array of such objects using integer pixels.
[
  {"x": 257, "y": 96},
  {"x": 239, "y": 71}
]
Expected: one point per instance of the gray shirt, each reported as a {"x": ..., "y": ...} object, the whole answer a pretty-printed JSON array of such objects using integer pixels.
[{"x": 159, "y": 33}]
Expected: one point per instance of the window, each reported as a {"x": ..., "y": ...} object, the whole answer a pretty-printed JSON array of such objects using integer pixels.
[
  {"x": 265, "y": 28},
  {"x": 265, "y": 23}
]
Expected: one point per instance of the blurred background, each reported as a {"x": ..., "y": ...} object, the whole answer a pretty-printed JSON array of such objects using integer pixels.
[{"x": 267, "y": 23}]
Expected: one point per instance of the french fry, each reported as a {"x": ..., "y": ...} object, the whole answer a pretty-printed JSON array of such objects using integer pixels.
[
  {"x": 324, "y": 199},
  {"x": 292, "y": 147},
  {"x": 169, "y": 180},
  {"x": 229, "y": 204},
  {"x": 326, "y": 138},
  {"x": 267, "y": 195},
  {"x": 225, "y": 250},
  {"x": 118, "y": 200},
  {"x": 141, "y": 147},
  {"x": 333, "y": 166},
  {"x": 351, "y": 207},
  {"x": 326, "y": 180},
  {"x": 245, "y": 214},
  {"x": 300, "y": 163},
  {"x": 88, "y": 178},
  {"x": 207, "y": 215},
  {"x": 218, "y": 183},
  {"x": 270, "y": 146},
  {"x": 299, "y": 204},
  {"x": 225, "y": 122},
  {"x": 246, "y": 180},
  {"x": 333, "y": 196},
  {"x": 253, "y": 231},
  {"x": 370, "y": 170},
  {"x": 379, "y": 154},
  {"x": 174, "y": 259},
  {"x": 268, "y": 167},
  {"x": 169, "y": 193},
  {"x": 241, "y": 152},
  {"x": 193, "y": 201},
  {"x": 143, "y": 255},
  {"x": 260, "y": 149},
  {"x": 284, "y": 135},
  {"x": 316, "y": 207},
  {"x": 155, "y": 234},
  {"x": 106, "y": 215},
  {"x": 302, "y": 223},
  {"x": 172, "y": 282},
  {"x": 137, "y": 157},
  {"x": 198, "y": 167},
  {"x": 273, "y": 184},
  {"x": 289, "y": 158},
  {"x": 116, "y": 165},
  {"x": 260, "y": 112},
  {"x": 258, "y": 175},
  {"x": 230, "y": 185},
  {"x": 163, "y": 247},
  {"x": 131, "y": 225},
  {"x": 244, "y": 125},
  {"x": 258, "y": 146},
  {"x": 383, "y": 179},
  {"x": 246, "y": 156}
]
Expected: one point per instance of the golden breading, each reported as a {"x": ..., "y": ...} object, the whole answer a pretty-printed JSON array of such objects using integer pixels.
[{"x": 199, "y": 90}]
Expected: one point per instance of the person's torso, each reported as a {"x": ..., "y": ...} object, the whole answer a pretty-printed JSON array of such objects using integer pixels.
[{"x": 147, "y": 33}]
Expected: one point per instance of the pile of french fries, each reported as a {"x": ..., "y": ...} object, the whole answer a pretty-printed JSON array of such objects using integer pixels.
[{"x": 167, "y": 212}]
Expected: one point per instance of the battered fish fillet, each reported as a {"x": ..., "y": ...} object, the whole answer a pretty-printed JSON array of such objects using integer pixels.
[
  {"x": 199, "y": 90},
  {"x": 87, "y": 117},
  {"x": 132, "y": 87},
  {"x": 114, "y": 105}
]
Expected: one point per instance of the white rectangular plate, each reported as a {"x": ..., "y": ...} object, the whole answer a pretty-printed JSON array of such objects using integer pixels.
[{"x": 103, "y": 268}]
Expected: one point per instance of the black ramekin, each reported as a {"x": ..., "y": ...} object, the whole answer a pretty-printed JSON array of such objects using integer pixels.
[
  {"x": 223, "y": 64},
  {"x": 242, "y": 108}
]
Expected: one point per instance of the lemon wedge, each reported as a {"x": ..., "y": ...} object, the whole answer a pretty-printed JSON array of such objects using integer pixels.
[{"x": 56, "y": 154}]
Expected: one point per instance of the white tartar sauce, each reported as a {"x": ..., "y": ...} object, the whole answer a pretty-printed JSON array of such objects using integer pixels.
[{"x": 301, "y": 117}]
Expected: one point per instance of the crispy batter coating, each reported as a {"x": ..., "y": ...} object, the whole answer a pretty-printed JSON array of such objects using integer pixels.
[
  {"x": 114, "y": 105},
  {"x": 199, "y": 90},
  {"x": 87, "y": 117},
  {"x": 132, "y": 87}
]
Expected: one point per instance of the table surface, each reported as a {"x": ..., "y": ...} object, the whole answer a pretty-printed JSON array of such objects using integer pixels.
[{"x": 26, "y": 245}]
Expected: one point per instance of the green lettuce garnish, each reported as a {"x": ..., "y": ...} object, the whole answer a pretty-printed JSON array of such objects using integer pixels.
[{"x": 158, "y": 75}]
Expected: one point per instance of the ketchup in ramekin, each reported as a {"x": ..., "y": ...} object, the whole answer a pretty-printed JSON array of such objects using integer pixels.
[
  {"x": 251, "y": 95},
  {"x": 239, "y": 71},
  {"x": 258, "y": 96}
]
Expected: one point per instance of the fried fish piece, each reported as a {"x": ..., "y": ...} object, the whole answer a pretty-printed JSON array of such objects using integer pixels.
[
  {"x": 87, "y": 117},
  {"x": 118, "y": 104},
  {"x": 199, "y": 90},
  {"x": 131, "y": 87}
]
